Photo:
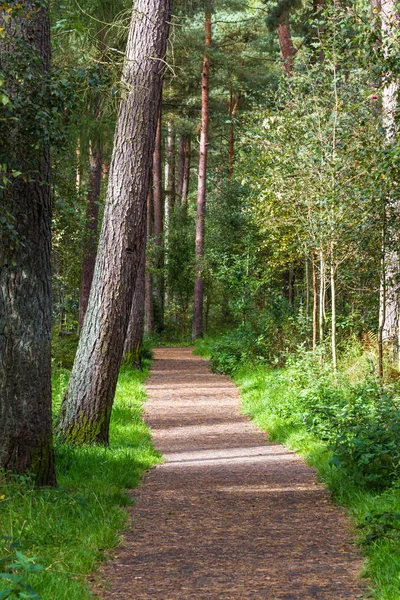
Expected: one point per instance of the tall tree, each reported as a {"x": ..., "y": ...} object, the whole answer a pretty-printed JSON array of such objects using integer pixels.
[
  {"x": 202, "y": 184},
  {"x": 158, "y": 208},
  {"x": 92, "y": 220},
  {"x": 25, "y": 270},
  {"x": 86, "y": 408}
]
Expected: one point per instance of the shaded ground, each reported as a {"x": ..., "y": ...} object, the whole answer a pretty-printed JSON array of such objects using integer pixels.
[{"x": 229, "y": 515}]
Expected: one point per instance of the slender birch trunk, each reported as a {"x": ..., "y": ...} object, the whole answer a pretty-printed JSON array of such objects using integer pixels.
[
  {"x": 86, "y": 407},
  {"x": 233, "y": 107},
  {"x": 322, "y": 296},
  {"x": 333, "y": 313},
  {"x": 181, "y": 168},
  {"x": 201, "y": 193},
  {"x": 315, "y": 303}
]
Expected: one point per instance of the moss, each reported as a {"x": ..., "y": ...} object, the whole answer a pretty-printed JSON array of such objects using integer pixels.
[{"x": 88, "y": 431}]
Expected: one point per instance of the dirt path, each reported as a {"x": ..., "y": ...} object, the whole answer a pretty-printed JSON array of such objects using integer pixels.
[{"x": 228, "y": 515}]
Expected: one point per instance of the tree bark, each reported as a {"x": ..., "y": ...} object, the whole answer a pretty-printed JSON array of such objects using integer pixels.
[
  {"x": 315, "y": 303},
  {"x": 333, "y": 315},
  {"x": 201, "y": 192},
  {"x": 158, "y": 204},
  {"x": 285, "y": 43},
  {"x": 26, "y": 442},
  {"x": 148, "y": 303},
  {"x": 91, "y": 227},
  {"x": 186, "y": 172},
  {"x": 86, "y": 408},
  {"x": 134, "y": 335},
  {"x": 322, "y": 295},
  {"x": 170, "y": 172},
  {"x": 390, "y": 23}
]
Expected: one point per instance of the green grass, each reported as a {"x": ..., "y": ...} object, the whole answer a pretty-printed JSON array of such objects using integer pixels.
[
  {"x": 269, "y": 396},
  {"x": 70, "y": 529}
]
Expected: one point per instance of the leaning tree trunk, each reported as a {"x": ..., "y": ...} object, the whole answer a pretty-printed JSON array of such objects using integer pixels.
[
  {"x": 86, "y": 408},
  {"x": 91, "y": 226},
  {"x": 26, "y": 444},
  {"x": 158, "y": 205},
  {"x": 201, "y": 192}
]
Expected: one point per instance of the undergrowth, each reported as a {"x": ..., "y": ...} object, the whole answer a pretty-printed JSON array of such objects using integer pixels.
[
  {"x": 345, "y": 427},
  {"x": 64, "y": 532}
]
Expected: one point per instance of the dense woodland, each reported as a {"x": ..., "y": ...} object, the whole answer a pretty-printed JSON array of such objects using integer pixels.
[{"x": 207, "y": 169}]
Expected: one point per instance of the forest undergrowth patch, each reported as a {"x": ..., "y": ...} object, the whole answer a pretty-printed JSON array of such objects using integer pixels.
[
  {"x": 344, "y": 425},
  {"x": 52, "y": 539}
]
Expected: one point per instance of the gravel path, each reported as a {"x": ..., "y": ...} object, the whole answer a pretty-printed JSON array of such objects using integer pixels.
[{"x": 228, "y": 515}]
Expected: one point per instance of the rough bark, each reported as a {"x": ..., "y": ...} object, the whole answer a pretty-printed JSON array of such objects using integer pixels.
[
  {"x": 158, "y": 205},
  {"x": 26, "y": 444},
  {"x": 148, "y": 298},
  {"x": 201, "y": 191},
  {"x": 91, "y": 227},
  {"x": 134, "y": 334},
  {"x": 86, "y": 408},
  {"x": 389, "y": 24},
  {"x": 285, "y": 43},
  {"x": 186, "y": 172}
]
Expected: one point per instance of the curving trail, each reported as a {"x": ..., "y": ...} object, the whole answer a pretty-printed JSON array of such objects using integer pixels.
[{"x": 228, "y": 515}]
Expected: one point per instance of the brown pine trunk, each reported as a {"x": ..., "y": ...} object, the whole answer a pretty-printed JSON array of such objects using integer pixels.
[
  {"x": 158, "y": 204},
  {"x": 186, "y": 172},
  {"x": 181, "y": 168},
  {"x": 91, "y": 226},
  {"x": 86, "y": 408},
  {"x": 201, "y": 191},
  {"x": 134, "y": 335},
  {"x": 285, "y": 43},
  {"x": 26, "y": 441},
  {"x": 148, "y": 297}
]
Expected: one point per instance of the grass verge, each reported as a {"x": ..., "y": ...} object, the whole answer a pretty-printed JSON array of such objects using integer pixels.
[
  {"x": 68, "y": 530},
  {"x": 267, "y": 397}
]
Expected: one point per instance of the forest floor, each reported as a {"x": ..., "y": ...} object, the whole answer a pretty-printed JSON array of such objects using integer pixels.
[{"x": 228, "y": 515}]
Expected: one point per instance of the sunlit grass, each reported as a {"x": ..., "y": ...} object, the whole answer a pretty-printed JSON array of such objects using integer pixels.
[{"x": 70, "y": 529}]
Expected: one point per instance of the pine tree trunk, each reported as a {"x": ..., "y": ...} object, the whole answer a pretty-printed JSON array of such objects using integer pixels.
[
  {"x": 86, "y": 408},
  {"x": 91, "y": 226},
  {"x": 158, "y": 204},
  {"x": 148, "y": 297},
  {"x": 26, "y": 444},
  {"x": 134, "y": 335},
  {"x": 285, "y": 43},
  {"x": 186, "y": 172},
  {"x": 201, "y": 191}
]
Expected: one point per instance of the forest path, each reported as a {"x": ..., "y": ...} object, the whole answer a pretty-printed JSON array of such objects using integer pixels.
[{"x": 228, "y": 515}]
